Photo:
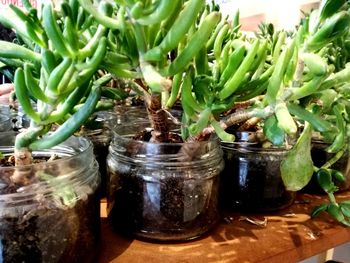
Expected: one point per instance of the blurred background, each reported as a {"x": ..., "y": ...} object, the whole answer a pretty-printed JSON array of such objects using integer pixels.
[{"x": 282, "y": 13}]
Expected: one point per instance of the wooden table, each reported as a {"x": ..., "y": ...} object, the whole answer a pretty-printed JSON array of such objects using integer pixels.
[{"x": 289, "y": 236}]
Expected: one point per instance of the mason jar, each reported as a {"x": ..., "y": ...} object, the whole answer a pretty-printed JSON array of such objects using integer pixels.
[
  {"x": 251, "y": 180},
  {"x": 162, "y": 191},
  {"x": 54, "y": 216}
]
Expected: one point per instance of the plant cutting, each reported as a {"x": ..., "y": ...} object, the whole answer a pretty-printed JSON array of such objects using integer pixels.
[{"x": 49, "y": 201}]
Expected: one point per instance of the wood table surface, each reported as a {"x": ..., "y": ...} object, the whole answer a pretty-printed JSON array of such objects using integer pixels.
[{"x": 289, "y": 235}]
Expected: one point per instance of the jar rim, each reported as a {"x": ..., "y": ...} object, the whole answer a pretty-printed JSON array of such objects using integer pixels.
[
  {"x": 251, "y": 147},
  {"x": 212, "y": 154},
  {"x": 78, "y": 149},
  {"x": 84, "y": 142}
]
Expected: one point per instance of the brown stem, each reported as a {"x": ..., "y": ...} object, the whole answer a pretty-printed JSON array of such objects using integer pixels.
[
  {"x": 158, "y": 119},
  {"x": 237, "y": 117},
  {"x": 244, "y": 104},
  {"x": 252, "y": 122}
]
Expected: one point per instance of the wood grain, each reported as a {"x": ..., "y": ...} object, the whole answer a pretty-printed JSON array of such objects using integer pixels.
[{"x": 289, "y": 236}]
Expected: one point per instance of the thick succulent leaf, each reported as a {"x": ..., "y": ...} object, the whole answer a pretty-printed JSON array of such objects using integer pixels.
[
  {"x": 345, "y": 208},
  {"x": 318, "y": 209},
  {"x": 297, "y": 167},
  {"x": 272, "y": 132},
  {"x": 335, "y": 211},
  {"x": 330, "y": 7}
]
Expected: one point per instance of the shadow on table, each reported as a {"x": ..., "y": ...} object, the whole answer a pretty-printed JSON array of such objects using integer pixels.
[
  {"x": 112, "y": 244},
  {"x": 292, "y": 221}
]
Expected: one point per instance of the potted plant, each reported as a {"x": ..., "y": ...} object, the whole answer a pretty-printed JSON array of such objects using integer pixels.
[
  {"x": 159, "y": 174},
  {"x": 213, "y": 68},
  {"x": 307, "y": 96},
  {"x": 49, "y": 200}
]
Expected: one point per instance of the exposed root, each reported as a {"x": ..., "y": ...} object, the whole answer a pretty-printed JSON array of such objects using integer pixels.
[{"x": 21, "y": 175}]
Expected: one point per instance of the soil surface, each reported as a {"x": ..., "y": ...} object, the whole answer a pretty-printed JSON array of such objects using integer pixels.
[{"x": 49, "y": 234}]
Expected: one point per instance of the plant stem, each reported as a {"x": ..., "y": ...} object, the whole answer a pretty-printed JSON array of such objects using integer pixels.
[{"x": 158, "y": 119}]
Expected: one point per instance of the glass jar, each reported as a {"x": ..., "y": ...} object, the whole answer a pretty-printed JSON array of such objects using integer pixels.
[
  {"x": 126, "y": 113},
  {"x": 54, "y": 217},
  {"x": 162, "y": 191},
  {"x": 5, "y": 119},
  {"x": 100, "y": 134},
  {"x": 251, "y": 180},
  {"x": 319, "y": 157}
]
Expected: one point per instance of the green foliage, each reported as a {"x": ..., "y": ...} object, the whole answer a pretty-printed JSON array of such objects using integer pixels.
[
  {"x": 297, "y": 167},
  {"x": 54, "y": 69}
]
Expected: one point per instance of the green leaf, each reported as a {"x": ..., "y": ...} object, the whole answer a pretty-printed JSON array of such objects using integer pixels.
[
  {"x": 273, "y": 133},
  {"x": 316, "y": 121},
  {"x": 327, "y": 97},
  {"x": 338, "y": 176},
  {"x": 333, "y": 27},
  {"x": 324, "y": 179},
  {"x": 318, "y": 209},
  {"x": 345, "y": 208},
  {"x": 330, "y": 7},
  {"x": 335, "y": 211},
  {"x": 297, "y": 167}
]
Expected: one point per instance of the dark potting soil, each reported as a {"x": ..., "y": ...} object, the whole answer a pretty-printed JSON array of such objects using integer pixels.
[
  {"x": 39, "y": 230},
  {"x": 167, "y": 210},
  {"x": 49, "y": 234},
  {"x": 160, "y": 206},
  {"x": 252, "y": 183}
]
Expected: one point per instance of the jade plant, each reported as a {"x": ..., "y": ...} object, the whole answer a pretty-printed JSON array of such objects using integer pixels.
[
  {"x": 286, "y": 83},
  {"x": 56, "y": 72}
]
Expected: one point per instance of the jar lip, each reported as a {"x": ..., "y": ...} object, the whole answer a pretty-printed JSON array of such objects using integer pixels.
[
  {"x": 83, "y": 146},
  {"x": 210, "y": 153},
  {"x": 75, "y": 175},
  {"x": 128, "y": 137},
  {"x": 251, "y": 147}
]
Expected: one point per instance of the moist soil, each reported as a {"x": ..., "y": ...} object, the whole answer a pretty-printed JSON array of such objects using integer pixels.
[
  {"x": 46, "y": 232},
  {"x": 160, "y": 207}
]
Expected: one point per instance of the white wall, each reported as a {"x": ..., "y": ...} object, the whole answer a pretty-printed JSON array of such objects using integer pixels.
[{"x": 282, "y": 13}]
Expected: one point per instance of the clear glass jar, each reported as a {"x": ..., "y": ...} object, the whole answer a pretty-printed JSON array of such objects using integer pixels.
[
  {"x": 55, "y": 216},
  {"x": 162, "y": 191},
  {"x": 100, "y": 134},
  {"x": 5, "y": 119},
  {"x": 126, "y": 113},
  {"x": 251, "y": 180}
]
